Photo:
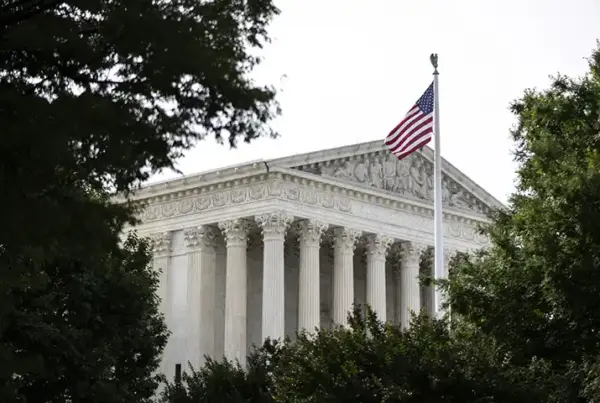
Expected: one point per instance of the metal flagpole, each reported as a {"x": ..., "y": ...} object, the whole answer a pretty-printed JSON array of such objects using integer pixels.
[{"x": 437, "y": 191}]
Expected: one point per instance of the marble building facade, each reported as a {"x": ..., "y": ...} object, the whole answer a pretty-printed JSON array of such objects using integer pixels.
[{"x": 268, "y": 248}]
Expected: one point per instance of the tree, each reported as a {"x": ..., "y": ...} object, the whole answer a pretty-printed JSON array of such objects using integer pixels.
[
  {"x": 367, "y": 362},
  {"x": 371, "y": 362},
  {"x": 536, "y": 291},
  {"x": 96, "y": 95},
  {"x": 225, "y": 381}
]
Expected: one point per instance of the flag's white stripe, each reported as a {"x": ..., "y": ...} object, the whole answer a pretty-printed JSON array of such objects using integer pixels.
[
  {"x": 401, "y": 132},
  {"x": 401, "y": 153},
  {"x": 422, "y": 118},
  {"x": 411, "y": 139},
  {"x": 410, "y": 118}
]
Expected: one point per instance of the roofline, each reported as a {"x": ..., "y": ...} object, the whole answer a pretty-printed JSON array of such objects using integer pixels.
[{"x": 232, "y": 172}]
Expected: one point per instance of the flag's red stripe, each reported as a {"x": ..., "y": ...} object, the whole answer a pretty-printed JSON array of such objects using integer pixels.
[
  {"x": 408, "y": 136},
  {"x": 412, "y": 134},
  {"x": 413, "y": 149},
  {"x": 416, "y": 140},
  {"x": 411, "y": 117},
  {"x": 393, "y": 135},
  {"x": 415, "y": 129}
]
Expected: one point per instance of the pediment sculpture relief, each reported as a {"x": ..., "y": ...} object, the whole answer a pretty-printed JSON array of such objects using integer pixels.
[{"x": 411, "y": 177}]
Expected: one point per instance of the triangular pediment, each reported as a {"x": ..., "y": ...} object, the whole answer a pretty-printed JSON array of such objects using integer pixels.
[{"x": 370, "y": 165}]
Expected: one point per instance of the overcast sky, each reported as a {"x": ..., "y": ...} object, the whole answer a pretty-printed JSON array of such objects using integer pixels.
[{"x": 348, "y": 70}]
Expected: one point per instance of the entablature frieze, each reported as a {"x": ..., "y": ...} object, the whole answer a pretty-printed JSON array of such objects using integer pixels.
[
  {"x": 284, "y": 184},
  {"x": 309, "y": 198}
]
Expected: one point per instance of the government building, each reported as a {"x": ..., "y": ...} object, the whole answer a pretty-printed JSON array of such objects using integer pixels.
[{"x": 268, "y": 248}]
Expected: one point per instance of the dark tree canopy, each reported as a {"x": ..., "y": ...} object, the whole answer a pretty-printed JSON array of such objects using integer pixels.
[
  {"x": 525, "y": 313},
  {"x": 95, "y": 95},
  {"x": 537, "y": 290},
  {"x": 126, "y": 85},
  {"x": 368, "y": 362}
]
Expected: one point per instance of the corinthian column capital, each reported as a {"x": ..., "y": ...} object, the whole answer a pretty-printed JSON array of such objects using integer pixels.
[
  {"x": 235, "y": 231},
  {"x": 274, "y": 224},
  {"x": 412, "y": 251},
  {"x": 345, "y": 238},
  {"x": 377, "y": 245},
  {"x": 161, "y": 243},
  {"x": 310, "y": 231},
  {"x": 200, "y": 237}
]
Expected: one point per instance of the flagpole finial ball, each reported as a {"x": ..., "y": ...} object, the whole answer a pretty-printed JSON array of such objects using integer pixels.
[{"x": 434, "y": 61}]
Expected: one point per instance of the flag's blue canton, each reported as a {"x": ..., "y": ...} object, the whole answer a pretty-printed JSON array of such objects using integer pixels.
[{"x": 425, "y": 103}]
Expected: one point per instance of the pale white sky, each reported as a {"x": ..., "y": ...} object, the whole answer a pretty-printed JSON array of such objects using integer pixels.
[{"x": 353, "y": 68}]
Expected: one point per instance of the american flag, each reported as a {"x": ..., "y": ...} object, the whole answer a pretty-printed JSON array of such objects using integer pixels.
[{"x": 415, "y": 130}]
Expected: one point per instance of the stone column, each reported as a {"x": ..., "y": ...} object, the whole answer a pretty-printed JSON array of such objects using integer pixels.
[
  {"x": 309, "y": 305},
  {"x": 344, "y": 243},
  {"x": 161, "y": 249},
  {"x": 448, "y": 254},
  {"x": 394, "y": 260},
  {"x": 274, "y": 226},
  {"x": 202, "y": 261},
  {"x": 236, "y": 239},
  {"x": 410, "y": 300},
  {"x": 428, "y": 290},
  {"x": 376, "y": 250}
]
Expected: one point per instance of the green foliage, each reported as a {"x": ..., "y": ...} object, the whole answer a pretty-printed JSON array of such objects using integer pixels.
[
  {"x": 95, "y": 95},
  {"x": 113, "y": 90},
  {"x": 367, "y": 362},
  {"x": 537, "y": 290},
  {"x": 225, "y": 381},
  {"x": 371, "y": 362},
  {"x": 80, "y": 326}
]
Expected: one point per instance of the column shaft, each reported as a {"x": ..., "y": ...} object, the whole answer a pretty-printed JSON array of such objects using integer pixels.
[
  {"x": 428, "y": 290},
  {"x": 448, "y": 255},
  {"x": 273, "y": 227},
  {"x": 236, "y": 237},
  {"x": 161, "y": 244},
  {"x": 202, "y": 257},
  {"x": 343, "y": 273},
  {"x": 309, "y": 305},
  {"x": 410, "y": 299},
  {"x": 397, "y": 275},
  {"x": 376, "y": 250}
]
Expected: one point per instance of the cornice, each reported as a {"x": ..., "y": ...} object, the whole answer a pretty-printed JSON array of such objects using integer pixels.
[
  {"x": 312, "y": 159},
  {"x": 345, "y": 191},
  {"x": 211, "y": 180},
  {"x": 367, "y": 150}
]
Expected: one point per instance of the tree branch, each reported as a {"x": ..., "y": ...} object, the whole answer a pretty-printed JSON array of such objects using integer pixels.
[{"x": 22, "y": 11}]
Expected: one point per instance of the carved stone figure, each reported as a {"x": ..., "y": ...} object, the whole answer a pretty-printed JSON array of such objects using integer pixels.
[
  {"x": 414, "y": 180},
  {"x": 411, "y": 176},
  {"x": 458, "y": 199},
  {"x": 344, "y": 172},
  {"x": 376, "y": 173},
  {"x": 427, "y": 180},
  {"x": 445, "y": 191},
  {"x": 389, "y": 173},
  {"x": 361, "y": 172},
  {"x": 402, "y": 176}
]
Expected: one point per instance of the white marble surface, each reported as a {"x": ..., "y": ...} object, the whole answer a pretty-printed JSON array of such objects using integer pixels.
[{"x": 353, "y": 191}]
